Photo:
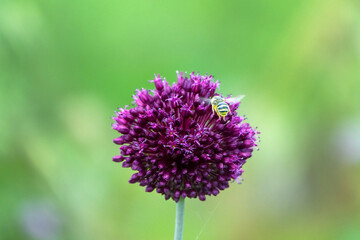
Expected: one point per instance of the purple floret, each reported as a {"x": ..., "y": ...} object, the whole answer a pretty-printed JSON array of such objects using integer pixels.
[{"x": 177, "y": 145}]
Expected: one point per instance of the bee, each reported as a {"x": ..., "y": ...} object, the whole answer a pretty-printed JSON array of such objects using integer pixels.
[{"x": 220, "y": 105}]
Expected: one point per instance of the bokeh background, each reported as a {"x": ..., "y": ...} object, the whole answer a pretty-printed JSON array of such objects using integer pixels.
[{"x": 66, "y": 66}]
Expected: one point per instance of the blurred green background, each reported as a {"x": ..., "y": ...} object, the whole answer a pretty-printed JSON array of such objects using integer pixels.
[{"x": 65, "y": 66}]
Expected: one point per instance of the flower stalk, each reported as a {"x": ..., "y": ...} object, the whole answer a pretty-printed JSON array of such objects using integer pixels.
[{"x": 179, "y": 219}]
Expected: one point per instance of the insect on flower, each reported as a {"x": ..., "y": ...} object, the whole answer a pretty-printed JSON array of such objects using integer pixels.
[
  {"x": 220, "y": 105},
  {"x": 175, "y": 143}
]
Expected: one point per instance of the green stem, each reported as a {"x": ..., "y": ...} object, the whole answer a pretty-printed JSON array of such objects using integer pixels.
[{"x": 179, "y": 219}]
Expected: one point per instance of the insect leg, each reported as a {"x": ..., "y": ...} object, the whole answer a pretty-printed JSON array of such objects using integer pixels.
[{"x": 217, "y": 112}]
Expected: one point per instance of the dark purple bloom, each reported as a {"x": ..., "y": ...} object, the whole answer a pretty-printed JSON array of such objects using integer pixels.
[{"x": 177, "y": 145}]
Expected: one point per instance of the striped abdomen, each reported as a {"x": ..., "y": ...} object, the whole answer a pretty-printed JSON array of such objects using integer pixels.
[{"x": 222, "y": 109}]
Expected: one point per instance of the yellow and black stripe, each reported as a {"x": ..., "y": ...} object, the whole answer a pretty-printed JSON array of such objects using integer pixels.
[{"x": 223, "y": 109}]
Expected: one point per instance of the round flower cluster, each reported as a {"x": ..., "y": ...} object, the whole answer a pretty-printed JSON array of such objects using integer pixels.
[{"x": 177, "y": 145}]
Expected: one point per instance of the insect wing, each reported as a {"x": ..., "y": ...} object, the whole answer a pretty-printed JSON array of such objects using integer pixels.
[
  {"x": 206, "y": 100},
  {"x": 235, "y": 99}
]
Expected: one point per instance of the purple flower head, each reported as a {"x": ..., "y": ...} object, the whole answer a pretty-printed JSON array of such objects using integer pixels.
[{"x": 177, "y": 145}]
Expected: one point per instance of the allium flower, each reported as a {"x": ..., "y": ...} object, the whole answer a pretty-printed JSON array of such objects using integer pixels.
[{"x": 177, "y": 145}]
